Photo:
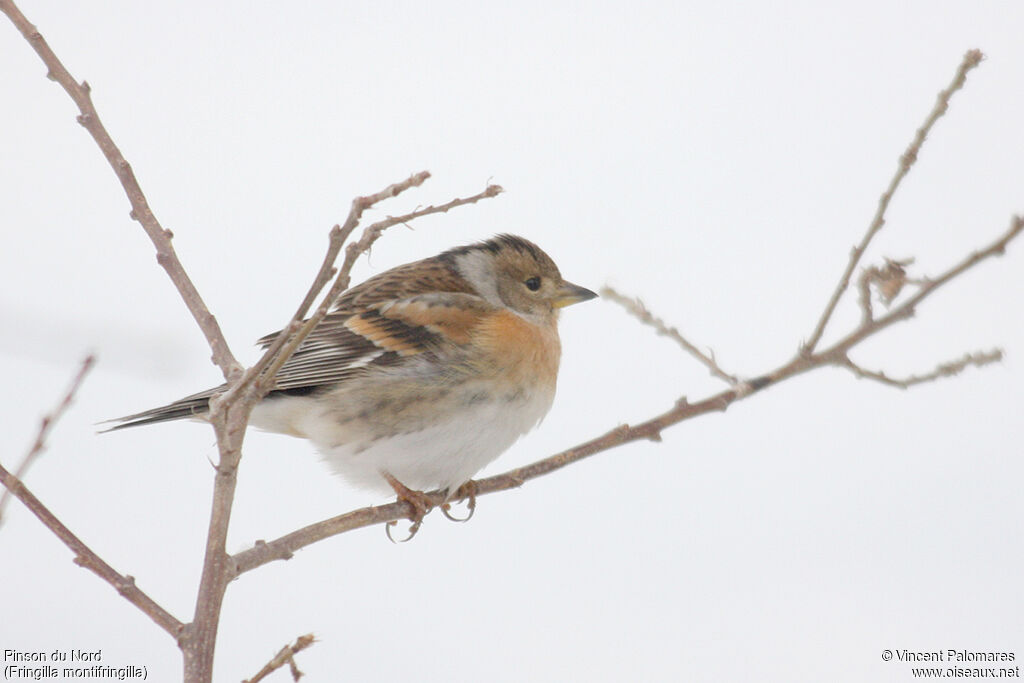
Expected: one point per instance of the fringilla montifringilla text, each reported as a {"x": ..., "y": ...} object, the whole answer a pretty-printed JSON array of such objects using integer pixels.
[{"x": 422, "y": 374}]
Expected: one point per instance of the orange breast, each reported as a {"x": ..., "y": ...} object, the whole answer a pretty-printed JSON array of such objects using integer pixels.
[{"x": 522, "y": 351}]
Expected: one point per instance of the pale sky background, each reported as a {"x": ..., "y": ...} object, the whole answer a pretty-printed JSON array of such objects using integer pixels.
[{"x": 718, "y": 159}]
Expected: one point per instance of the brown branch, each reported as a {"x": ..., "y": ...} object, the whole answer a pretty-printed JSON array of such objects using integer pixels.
[
  {"x": 284, "y": 547},
  {"x": 971, "y": 59},
  {"x": 639, "y": 310},
  {"x": 161, "y": 238},
  {"x": 948, "y": 369},
  {"x": 487, "y": 193},
  {"x": 285, "y": 656},
  {"x": 84, "y": 556},
  {"x": 46, "y": 425}
]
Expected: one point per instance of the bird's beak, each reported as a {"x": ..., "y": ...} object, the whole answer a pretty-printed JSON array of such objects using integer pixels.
[{"x": 569, "y": 294}]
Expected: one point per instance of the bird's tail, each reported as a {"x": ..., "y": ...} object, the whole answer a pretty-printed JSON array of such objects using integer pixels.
[{"x": 194, "y": 406}]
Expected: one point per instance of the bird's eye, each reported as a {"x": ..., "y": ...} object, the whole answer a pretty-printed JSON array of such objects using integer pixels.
[{"x": 533, "y": 284}]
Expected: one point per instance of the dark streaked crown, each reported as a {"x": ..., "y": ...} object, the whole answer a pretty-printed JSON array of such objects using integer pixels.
[{"x": 499, "y": 243}]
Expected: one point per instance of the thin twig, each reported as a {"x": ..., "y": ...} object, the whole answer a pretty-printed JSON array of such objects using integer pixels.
[
  {"x": 488, "y": 192},
  {"x": 635, "y": 307},
  {"x": 948, "y": 369},
  {"x": 285, "y": 656},
  {"x": 161, "y": 238},
  {"x": 971, "y": 59},
  {"x": 284, "y": 547},
  {"x": 46, "y": 425}
]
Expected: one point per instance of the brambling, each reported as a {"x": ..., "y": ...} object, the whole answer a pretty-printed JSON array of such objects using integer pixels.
[{"x": 421, "y": 375}]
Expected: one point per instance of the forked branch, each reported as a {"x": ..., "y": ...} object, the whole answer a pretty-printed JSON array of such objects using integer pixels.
[{"x": 971, "y": 59}]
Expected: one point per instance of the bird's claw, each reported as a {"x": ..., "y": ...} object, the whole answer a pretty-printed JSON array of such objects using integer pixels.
[{"x": 466, "y": 491}]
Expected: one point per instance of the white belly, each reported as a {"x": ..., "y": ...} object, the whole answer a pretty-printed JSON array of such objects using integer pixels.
[{"x": 443, "y": 453}]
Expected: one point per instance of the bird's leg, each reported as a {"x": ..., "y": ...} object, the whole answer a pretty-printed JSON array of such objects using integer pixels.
[
  {"x": 467, "y": 490},
  {"x": 420, "y": 502}
]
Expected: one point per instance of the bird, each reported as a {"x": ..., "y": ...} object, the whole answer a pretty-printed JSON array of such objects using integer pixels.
[{"x": 421, "y": 375}]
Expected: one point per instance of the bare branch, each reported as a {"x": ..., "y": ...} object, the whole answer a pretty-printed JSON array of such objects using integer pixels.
[
  {"x": 971, "y": 59},
  {"x": 161, "y": 238},
  {"x": 637, "y": 308},
  {"x": 948, "y": 369},
  {"x": 487, "y": 193},
  {"x": 46, "y": 425},
  {"x": 285, "y": 656}
]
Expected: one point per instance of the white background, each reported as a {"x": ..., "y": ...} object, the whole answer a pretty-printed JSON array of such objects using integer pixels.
[{"x": 718, "y": 159}]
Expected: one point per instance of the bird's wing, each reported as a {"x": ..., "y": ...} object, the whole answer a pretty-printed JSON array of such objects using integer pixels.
[
  {"x": 420, "y": 307},
  {"x": 347, "y": 344}
]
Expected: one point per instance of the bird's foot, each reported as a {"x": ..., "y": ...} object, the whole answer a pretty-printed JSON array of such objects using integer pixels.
[
  {"x": 420, "y": 502},
  {"x": 465, "y": 492}
]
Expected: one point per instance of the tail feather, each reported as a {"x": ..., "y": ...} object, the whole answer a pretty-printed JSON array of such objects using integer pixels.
[{"x": 194, "y": 406}]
